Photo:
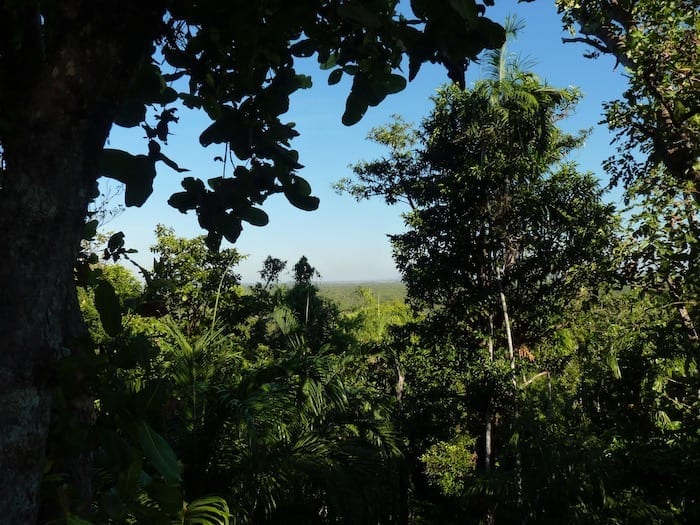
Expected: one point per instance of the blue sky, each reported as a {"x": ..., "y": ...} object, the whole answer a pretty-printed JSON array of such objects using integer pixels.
[{"x": 343, "y": 239}]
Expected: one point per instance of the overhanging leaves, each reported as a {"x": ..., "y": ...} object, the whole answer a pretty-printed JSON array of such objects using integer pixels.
[{"x": 136, "y": 172}]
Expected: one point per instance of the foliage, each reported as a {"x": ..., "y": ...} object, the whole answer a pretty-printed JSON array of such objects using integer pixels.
[
  {"x": 191, "y": 282},
  {"x": 502, "y": 235},
  {"x": 272, "y": 268},
  {"x": 448, "y": 463},
  {"x": 657, "y": 42},
  {"x": 375, "y": 318},
  {"x": 182, "y": 414},
  {"x": 349, "y": 296},
  {"x": 602, "y": 429},
  {"x": 546, "y": 373},
  {"x": 241, "y": 73}
]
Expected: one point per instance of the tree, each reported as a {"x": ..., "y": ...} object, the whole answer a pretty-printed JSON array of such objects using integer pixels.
[
  {"x": 193, "y": 284},
  {"x": 270, "y": 273},
  {"x": 501, "y": 234},
  {"x": 70, "y": 70},
  {"x": 658, "y": 43}
]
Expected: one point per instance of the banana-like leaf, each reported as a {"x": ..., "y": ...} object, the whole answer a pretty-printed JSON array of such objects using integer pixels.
[{"x": 159, "y": 453}]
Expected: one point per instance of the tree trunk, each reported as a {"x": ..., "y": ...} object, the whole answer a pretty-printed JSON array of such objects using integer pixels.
[
  {"x": 488, "y": 426},
  {"x": 488, "y": 413},
  {"x": 55, "y": 120},
  {"x": 516, "y": 410},
  {"x": 43, "y": 202},
  {"x": 404, "y": 472}
]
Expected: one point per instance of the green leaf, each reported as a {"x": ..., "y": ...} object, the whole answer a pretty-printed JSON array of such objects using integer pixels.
[
  {"x": 420, "y": 7},
  {"x": 170, "y": 163},
  {"x": 303, "y": 81},
  {"x": 335, "y": 76},
  {"x": 190, "y": 198},
  {"x": 226, "y": 128},
  {"x": 135, "y": 171},
  {"x": 159, "y": 453},
  {"x": 90, "y": 229},
  {"x": 356, "y": 12},
  {"x": 230, "y": 227},
  {"x": 129, "y": 483},
  {"x": 331, "y": 62},
  {"x": 254, "y": 216},
  {"x": 306, "y": 203},
  {"x": 614, "y": 366},
  {"x": 183, "y": 201},
  {"x": 131, "y": 114},
  {"x": 466, "y": 9},
  {"x": 355, "y": 107},
  {"x": 394, "y": 84},
  {"x": 299, "y": 186},
  {"x": 108, "y": 307},
  {"x": 209, "y": 510},
  {"x": 303, "y": 48}
]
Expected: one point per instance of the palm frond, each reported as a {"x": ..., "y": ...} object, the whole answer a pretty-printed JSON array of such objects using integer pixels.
[{"x": 209, "y": 510}]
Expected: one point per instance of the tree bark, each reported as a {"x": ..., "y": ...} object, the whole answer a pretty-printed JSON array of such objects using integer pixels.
[
  {"x": 54, "y": 122},
  {"x": 488, "y": 414},
  {"x": 514, "y": 382},
  {"x": 404, "y": 471}
]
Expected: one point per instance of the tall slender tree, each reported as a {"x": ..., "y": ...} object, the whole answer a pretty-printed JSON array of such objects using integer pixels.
[{"x": 502, "y": 231}]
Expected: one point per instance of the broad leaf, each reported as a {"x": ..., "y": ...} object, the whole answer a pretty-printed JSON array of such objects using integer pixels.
[
  {"x": 135, "y": 171},
  {"x": 254, "y": 216},
  {"x": 108, "y": 307},
  {"x": 159, "y": 453},
  {"x": 356, "y": 12},
  {"x": 306, "y": 203},
  {"x": 335, "y": 76}
]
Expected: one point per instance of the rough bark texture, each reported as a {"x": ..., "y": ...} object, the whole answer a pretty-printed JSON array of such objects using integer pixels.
[{"x": 72, "y": 67}]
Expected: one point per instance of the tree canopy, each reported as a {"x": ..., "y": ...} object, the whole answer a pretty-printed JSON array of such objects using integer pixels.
[{"x": 502, "y": 234}]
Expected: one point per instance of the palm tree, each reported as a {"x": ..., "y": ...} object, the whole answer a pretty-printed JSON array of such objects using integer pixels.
[{"x": 282, "y": 437}]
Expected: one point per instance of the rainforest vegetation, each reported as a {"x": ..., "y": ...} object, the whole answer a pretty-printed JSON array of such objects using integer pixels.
[{"x": 539, "y": 363}]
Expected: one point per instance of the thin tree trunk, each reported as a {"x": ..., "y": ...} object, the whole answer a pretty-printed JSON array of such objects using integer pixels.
[
  {"x": 488, "y": 416},
  {"x": 488, "y": 424},
  {"x": 404, "y": 473},
  {"x": 514, "y": 382}
]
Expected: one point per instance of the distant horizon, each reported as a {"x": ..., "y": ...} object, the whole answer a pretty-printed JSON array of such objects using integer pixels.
[{"x": 324, "y": 282}]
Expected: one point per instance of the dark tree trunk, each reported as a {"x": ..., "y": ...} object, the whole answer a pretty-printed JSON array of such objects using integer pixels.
[{"x": 72, "y": 68}]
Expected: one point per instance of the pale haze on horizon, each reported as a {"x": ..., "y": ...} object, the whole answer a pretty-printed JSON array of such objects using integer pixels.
[{"x": 346, "y": 240}]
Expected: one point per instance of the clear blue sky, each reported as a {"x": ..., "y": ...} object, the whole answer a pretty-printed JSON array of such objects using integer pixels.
[{"x": 343, "y": 239}]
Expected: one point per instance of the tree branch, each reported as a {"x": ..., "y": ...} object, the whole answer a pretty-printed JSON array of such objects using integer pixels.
[{"x": 589, "y": 41}]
